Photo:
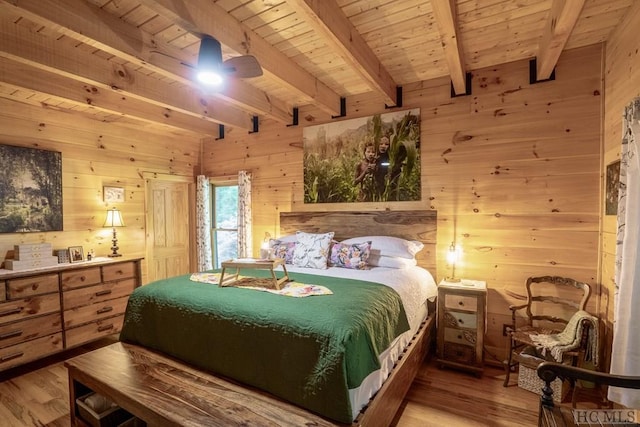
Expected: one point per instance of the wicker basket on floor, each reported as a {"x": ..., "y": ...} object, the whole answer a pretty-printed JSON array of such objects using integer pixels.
[{"x": 528, "y": 379}]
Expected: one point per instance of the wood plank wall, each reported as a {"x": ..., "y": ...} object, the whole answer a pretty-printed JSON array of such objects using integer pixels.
[
  {"x": 622, "y": 84},
  {"x": 513, "y": 171},
  {"x": 95, "y": 154}
]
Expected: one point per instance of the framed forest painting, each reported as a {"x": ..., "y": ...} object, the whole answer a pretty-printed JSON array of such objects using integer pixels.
[
  {"x": 369, "y": 159},
  {"x": 30, "y": 190}
]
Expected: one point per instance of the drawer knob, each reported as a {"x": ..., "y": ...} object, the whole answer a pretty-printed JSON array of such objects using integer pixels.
[
  {"x": 461, "y": 321},
  {"x": 11, "y": 356},
  {"x": 460, "y": 303},
  {"x": 101, "y": 293},
  {"x": 82, "y": 278},
  {"x": 459, "y": 337},
  {"x": 105, "y": 310},
  {"x": 11, "y": 334},
  {"x": 11, "y": 311},
  {"x": 105, "y": 327}
]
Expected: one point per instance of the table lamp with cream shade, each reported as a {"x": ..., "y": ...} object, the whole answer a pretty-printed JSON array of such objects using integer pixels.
[{"x": 114, "y": 219}]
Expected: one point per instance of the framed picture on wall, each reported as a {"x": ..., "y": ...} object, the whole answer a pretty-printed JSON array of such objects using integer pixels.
[
  {"x": 31, "y": 190},
  {"x": 113, "y": 194},
  {"x": 76, "y": 254}
]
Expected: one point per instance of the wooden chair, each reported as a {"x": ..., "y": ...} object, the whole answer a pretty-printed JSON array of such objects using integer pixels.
[
  {"x": 551, "y": 415},
  {"x": 542, "y": 302}
]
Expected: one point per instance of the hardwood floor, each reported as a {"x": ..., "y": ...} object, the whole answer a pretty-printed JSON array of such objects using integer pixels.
[{"x": 38, "y": 396}]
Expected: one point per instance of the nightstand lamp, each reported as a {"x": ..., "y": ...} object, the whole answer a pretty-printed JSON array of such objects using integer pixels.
[
  {"x": 114, "y": 219},
  {"x": 453, "y": 256}
]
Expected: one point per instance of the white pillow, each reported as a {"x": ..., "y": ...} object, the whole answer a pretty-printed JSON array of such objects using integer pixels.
[
  {"x": 391, "y": 261},
  {"x": 288, "y": 238},
  {"x": 390, "y": 246},
  {"x": 312, "y": 250}
]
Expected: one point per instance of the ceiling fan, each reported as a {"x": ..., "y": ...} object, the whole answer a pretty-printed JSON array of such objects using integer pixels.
[{"x": 211, "y": 69}]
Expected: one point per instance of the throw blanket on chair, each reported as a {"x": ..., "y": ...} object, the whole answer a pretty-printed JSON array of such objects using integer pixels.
[{"x": 569, "y": 339}]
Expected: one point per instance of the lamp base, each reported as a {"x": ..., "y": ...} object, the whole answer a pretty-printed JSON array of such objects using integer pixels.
[
  {"x": 114, "y": 255},
  {"x": 452, "y": 280}
]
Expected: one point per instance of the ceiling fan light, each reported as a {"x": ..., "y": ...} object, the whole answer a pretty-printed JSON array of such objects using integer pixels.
[
  {"x": 209, "y": 78},
  {"x": 210, "y": 62}
]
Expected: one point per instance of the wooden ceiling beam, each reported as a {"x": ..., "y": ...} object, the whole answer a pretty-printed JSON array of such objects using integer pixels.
[
  {"x": 47, "y": 54},
  {"x": 326, "y": 18},
  {"x": 205, "y": 17},
  {"x": 445, "y": 15},
  {"x": 76, "y": 19},
  {"x": 562, "y": 18},
  {"x": 21, "y": 76}
]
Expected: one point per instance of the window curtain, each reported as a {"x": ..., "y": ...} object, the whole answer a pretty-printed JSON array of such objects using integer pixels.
[
  {"x": 245, "y": 241},
  {"x": 203, "y": 224},
  {"x": 625, "y": 356}
]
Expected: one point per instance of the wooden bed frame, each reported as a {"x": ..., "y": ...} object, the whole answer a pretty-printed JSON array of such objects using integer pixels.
[{"x": 164, "y": 391}]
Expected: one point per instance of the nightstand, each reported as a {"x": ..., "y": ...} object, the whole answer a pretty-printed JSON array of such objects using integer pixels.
[{"x": 461, "y": 324}]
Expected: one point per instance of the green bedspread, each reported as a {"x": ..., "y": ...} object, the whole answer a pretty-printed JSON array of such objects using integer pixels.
[{"x": 309, "y": 351}]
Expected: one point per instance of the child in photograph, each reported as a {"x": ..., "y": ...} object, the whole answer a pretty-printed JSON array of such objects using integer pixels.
[{"x": 365, "y": 169}]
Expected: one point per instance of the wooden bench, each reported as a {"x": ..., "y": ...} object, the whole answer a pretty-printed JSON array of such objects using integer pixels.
[
  {"x": 552, "y": 415},
  {"x": 165, "y": 392}
]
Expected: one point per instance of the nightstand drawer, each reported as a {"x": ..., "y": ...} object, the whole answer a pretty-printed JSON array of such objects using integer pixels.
[
  {"x": 461, "y": 302},
  {"x": 459, "y": 353},
  {"x": 460, "y": 336},
  {"x": 458, "y": 319}
]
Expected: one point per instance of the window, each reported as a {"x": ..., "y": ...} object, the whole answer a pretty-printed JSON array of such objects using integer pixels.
[{"x": 224, "y": 233}]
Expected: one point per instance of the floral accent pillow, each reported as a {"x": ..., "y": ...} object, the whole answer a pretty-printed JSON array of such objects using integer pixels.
[
  {"x": 282, "y": 250},
  {"x": 350, "y": 255},
  {"x": 312, "y": 250}
]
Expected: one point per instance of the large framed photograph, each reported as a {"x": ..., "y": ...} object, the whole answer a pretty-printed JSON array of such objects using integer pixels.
[
  {"x": 76, "y": 254},
  {"x": 30, "y": 190},
  {"x": 370, "y": 159}
]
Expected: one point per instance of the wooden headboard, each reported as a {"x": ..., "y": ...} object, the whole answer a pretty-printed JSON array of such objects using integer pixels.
[{"x": 410, "y": 225}]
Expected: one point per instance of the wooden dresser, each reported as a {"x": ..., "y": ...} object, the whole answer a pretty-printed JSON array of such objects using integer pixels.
[
  {"x": 461, "y": 324},
  {"x": 48, "y": 310}
]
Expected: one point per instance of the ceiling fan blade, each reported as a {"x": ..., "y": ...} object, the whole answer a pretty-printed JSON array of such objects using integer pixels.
[{"x": 245, "y": 66}]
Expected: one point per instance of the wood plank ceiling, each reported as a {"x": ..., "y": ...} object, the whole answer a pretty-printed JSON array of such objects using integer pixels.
[{"x": 129, "y": 61}]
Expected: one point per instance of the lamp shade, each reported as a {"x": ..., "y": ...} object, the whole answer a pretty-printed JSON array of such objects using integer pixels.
[{"x": 114, "y": 219}]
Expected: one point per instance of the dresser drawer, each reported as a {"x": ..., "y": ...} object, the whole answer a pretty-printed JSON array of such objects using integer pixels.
[
  {"x": 461, "y": 302},
  {"x": 29, "y": 307},
  {"x": 98, "y": 293},
  {"x": 459, "y": 319},
  {"x": 460, "y": 336},
  {"x": 122, "y": 270},
  {"x": 28, "y": 286},
  {"x": 88, "y": 313},
  {"x": 78, "y": 278},
  {"x": 30, "y": 350},
  {"x": 93, "y": 330},
  {"x": 24, "y": 330},
  {"x": 3, "y": 291}
]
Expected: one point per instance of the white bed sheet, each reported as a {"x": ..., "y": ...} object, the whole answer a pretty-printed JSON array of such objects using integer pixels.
[{"x": 416, "y": 286}]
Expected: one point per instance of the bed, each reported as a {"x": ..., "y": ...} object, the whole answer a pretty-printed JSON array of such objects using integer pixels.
[{"x": 336, "y": 355}]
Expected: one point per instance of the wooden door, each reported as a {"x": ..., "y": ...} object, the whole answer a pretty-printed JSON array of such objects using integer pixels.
[{"x": 168, "y": 225}]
